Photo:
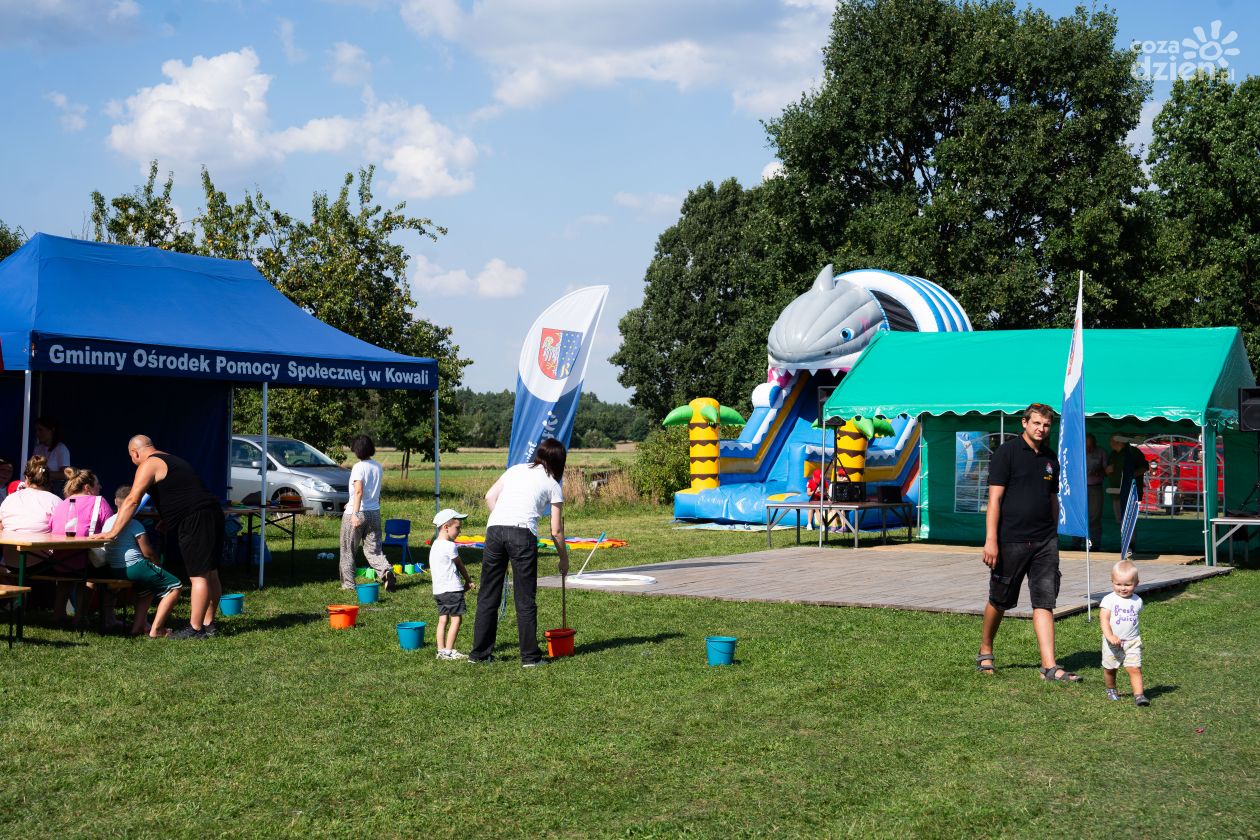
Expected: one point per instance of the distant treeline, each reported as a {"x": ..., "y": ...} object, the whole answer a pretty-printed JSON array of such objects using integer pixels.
[{"x": 486, "y": 420}]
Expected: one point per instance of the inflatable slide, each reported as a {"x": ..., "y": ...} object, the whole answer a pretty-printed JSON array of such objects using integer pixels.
[{"x": 813, "y": 343}]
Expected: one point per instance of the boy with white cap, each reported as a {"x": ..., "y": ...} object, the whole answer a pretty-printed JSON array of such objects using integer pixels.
[{"x": 450, "y": 581}]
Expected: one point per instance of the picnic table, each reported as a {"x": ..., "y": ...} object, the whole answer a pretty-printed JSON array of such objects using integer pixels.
[
  {"x": 24, "y": 543},
  {"x": 849, "y": 515}
]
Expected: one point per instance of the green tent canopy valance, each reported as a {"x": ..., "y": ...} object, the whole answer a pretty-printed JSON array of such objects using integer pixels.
[{"x": 1175, "y": 374}]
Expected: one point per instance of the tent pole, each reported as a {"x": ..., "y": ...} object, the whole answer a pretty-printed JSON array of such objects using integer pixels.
[
  {"x": 26, "y": 422},
  {"x": 262, "y": 495},
  {"x": 1089, "y": 601},
  {"x": 437, "y": 459}
]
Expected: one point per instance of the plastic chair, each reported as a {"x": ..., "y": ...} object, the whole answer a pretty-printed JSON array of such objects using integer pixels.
[{"x": 398, "y": 532}]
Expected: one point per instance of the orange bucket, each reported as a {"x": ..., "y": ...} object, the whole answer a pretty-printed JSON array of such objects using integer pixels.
[
  {"x": 560, "y": 642},
  {"x": 342, "y": 616}
]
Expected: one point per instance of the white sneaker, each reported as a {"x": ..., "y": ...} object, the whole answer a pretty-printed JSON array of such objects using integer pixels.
[
  {"x": 454, "y": 654},
  {"x": 444, "y": 654}
]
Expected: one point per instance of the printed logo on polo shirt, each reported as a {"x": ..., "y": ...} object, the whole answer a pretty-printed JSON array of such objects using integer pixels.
[{"x": 1049, "y": 476}]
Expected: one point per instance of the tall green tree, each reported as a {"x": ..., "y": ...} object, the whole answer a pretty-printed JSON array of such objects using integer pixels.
[
  {"x": 977, "y": 145},
  {"x": 346, "y": 268},
  {"x": 345, "y": 264},
  {"x": 973, "y": 144},
  {"x": 1205, "y": 210},
  {"x": 10, "y": 239},
  {"x": 701, "y": 329},
  {"x": 145, "y": 216}
]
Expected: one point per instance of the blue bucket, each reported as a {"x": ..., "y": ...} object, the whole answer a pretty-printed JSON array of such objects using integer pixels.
[
  {"x": 411, "y": 634},
  {"x": 721, "y": 649},
  {"x": 369, "y": 593},
  {"x": 231, "y": 604}
]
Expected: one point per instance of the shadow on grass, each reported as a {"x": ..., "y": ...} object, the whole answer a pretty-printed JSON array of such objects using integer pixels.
[
  {"x": 623, "y": 641},
  {"x": 56, "y": 643},
  {"x": 1154, "y": 691},
  {"x": 283, "y": 621}
]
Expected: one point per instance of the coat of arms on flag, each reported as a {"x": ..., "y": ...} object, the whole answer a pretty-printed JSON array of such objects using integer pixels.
[{"x": 557, "y": 351}]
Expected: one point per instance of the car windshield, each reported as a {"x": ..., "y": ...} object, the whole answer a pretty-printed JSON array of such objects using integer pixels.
[{"x": 295, "y": 453}]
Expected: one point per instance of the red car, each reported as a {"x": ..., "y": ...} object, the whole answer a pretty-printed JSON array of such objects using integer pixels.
[{"x": 1174, "y": 476}]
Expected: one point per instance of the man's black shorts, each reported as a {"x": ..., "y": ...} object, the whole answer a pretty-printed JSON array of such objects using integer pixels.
[
  {"x": 200, "y": 539},
  {"x": 1037, "y": 561}
]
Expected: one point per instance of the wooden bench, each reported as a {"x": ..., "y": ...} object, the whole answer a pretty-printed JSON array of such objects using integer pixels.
[
  {"x": 104, "y": 584},
  {"x": 12, "y": 593}
]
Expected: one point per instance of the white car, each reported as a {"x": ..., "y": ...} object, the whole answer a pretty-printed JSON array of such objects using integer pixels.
[{"x": 293, "y": 467}]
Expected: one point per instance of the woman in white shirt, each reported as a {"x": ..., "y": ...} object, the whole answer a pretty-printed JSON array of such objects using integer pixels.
[
  {"x": 29, "y": 510},
  {"x": 50, "y": 446},
  {"x": 361, "y": 520},
  {"x": 516, "y": 501}
]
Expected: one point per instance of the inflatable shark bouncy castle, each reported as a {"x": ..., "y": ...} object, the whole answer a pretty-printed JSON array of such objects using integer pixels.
[{"x": 813, "y": 343}]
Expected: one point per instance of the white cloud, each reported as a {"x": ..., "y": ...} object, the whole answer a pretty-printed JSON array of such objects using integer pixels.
[
  {"x": 540, "y": 49},
  {"x": 213, "y": 112},
  {"x": 496, "y": 279},
  {"x": 62, "y": 23},
  {"x": 292, "y": 52},
  {"x": 71, "y": 114},
  {"x": 500, "y": 280},
  {"x": 124, "y": 10},
  {"x": 349, "y": 64},
  {"x": 433, "y": 17},
  {"x": 650, "y": 203},
  {"x": 773, "y": 169}
]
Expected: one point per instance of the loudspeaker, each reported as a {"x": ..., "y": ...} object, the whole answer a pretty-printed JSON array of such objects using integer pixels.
[
  {"x": 889, "y": 494},
  {"x": 1249, "y": 409},
  {"x": 848, "y": 491}
]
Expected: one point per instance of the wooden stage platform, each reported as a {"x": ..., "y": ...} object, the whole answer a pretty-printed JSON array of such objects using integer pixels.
[{"x": 905, "y": 577}]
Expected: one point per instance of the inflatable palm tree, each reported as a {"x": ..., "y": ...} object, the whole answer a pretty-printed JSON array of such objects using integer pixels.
[
  {"x": 704, "y": 418},
  {"x": 852, "y": 440}
]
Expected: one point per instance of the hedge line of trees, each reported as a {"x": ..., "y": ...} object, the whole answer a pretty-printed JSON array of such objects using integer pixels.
[{"x": 486, "y": 420}]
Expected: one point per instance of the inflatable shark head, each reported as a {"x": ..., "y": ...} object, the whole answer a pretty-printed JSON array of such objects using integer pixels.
[{"x": 828, "y": 327}]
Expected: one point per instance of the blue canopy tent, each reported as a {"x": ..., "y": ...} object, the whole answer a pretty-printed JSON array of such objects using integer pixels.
[{"x": 114, "y": 340}]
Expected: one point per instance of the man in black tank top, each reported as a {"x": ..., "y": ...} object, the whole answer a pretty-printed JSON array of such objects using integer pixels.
[{"x": 191, "y": 516}]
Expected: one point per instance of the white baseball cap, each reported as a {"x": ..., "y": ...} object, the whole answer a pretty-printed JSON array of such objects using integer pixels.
[{"x": 446, "y": 515}]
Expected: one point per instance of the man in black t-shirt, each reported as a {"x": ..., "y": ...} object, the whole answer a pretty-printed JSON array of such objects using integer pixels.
[
  {"x": 193, "y": 520},
  {"x": 1021, "y": 538}
]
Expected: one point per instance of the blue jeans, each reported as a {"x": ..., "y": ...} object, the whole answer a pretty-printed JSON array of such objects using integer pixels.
[{"x": 504, "y": 545}]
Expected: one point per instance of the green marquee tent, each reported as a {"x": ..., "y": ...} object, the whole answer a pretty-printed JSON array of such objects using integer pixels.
[{"x": 963, "y": 387}]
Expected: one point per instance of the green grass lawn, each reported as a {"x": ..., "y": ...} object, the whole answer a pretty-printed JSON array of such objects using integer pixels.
[{"x": 833, "y": 722}]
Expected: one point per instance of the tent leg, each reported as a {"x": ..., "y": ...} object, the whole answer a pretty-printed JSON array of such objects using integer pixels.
[
  {"x": 437, "y": 458},
  {"x": 262, "y": 496},
  {"x": 26, "y": 423}
]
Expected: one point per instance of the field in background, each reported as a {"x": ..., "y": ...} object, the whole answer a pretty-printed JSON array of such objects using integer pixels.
[{"x": 472, "y": 458}]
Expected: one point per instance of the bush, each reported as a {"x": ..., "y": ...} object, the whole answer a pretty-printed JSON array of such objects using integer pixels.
[{"x": 663, "y": 465}]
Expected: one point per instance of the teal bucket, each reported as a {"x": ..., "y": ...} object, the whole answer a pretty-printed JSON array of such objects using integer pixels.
[
  {"x": 411, "y": 634},
  {"x": 721, "y": 649},
  {"x": 369, "y": 593},
  {"x": 231, "y": 604}
]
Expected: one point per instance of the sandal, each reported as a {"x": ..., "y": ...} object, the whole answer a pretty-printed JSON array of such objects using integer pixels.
[
  {"x": 984, "y": 664},
  {"x": 1057, "y": 673}
]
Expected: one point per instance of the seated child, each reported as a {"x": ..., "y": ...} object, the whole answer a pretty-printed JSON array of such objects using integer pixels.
[
  {"x": 131, "y": 556},
  {"x": 1122, "y": 643},
  {"x": 448, "y": 586}
]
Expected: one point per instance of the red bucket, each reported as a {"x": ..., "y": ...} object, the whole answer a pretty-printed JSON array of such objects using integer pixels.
[
  {"x": 560, "y": 642},
  {"x": 342, "y": 616}
]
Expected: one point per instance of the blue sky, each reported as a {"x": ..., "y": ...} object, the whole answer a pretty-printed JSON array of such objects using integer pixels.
[{"x": 554, "y": 138}]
